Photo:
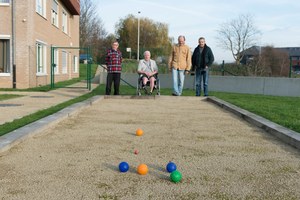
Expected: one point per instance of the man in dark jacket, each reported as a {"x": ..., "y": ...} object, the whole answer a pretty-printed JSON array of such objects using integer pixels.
[{"x": 202, "y": 59}]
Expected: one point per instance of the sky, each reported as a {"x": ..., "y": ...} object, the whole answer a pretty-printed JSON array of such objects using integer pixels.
[{"x": 277, "y": 20}]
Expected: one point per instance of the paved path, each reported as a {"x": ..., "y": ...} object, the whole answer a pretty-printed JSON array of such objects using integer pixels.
[{"x": 32, "y": 102}]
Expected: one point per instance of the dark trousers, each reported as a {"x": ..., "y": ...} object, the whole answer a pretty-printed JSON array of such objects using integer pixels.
[{"x": 113, "y": 77}]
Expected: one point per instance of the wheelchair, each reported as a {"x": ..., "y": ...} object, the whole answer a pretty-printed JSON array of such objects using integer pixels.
[{"x": 145, "y": 89}]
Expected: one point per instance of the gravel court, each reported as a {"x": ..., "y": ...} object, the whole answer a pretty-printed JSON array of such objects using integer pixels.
[{"x": 219, "y": 155}]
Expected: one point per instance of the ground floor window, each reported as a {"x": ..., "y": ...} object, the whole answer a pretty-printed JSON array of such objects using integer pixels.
[
  {"x": 4, "y": 56},
  {"x": 55, "y": 58},
  {"x": 75, "y": 64},
  {"x": 40, "y": 58},
  {"x": 64, "y": 62}
]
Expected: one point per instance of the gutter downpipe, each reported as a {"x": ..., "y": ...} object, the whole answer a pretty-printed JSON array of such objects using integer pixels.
[{"x": 13, "y": 44}]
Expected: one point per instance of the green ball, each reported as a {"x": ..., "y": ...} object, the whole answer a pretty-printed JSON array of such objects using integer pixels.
[{"x": 175, "y": 176}]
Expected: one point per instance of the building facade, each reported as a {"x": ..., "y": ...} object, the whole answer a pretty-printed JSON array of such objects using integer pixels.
[
  {"x": 28, "y": 30},
  {"x": 292, "y": 52}
]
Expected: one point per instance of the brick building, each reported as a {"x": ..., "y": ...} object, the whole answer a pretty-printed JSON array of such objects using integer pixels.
[
  {"x": 292, "y": 52},
  {"x": 28, "y": 30}
]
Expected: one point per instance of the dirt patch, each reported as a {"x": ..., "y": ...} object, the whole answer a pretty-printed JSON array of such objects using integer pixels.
[{"x": 219, "y": 155}]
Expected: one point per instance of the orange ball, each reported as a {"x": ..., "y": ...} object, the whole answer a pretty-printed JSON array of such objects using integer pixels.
[
  {"x": 139, "y": 132},
  {"x": 142, "y": 169}
]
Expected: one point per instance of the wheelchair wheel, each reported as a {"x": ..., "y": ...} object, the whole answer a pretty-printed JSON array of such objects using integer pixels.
[{"x": 158, "y": 87}]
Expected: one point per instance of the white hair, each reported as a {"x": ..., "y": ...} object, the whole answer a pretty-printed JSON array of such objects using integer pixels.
[{"x": 147, "y": 52}]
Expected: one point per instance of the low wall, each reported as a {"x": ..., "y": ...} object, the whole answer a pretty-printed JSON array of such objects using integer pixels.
[{"x": 236, "y": 84}]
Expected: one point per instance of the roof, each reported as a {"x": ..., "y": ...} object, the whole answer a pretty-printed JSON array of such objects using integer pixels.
[
  {"x": 73, "y": 6},
  {"x": 292, "y": 51},
  {"x": 254, "y": 50}
]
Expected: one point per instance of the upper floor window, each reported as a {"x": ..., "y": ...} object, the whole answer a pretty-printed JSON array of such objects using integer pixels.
[
  {"x": 54, "y": 14},
  {"x": 41, "y": 7},
  {"x": 4, "y": 56},
  {"x": 64, "y": 22}
]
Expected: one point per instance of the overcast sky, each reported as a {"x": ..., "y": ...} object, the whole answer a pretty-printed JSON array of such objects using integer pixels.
[{"x": 278, "y": 20}]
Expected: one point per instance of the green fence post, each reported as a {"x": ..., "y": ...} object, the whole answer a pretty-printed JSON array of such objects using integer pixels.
[
  {"x": 222, "y": 69},
  {"x": 290, "y": 74},
  {"x": 51, "y": 68}
]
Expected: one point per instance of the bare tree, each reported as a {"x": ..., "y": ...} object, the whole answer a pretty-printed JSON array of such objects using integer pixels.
[
  {"x": 237, "y": 35},
  {"x": 92, "y": 32}
]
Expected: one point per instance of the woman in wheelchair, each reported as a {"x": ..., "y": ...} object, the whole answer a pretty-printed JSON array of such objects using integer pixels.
[{"x": 148, "y": 70}]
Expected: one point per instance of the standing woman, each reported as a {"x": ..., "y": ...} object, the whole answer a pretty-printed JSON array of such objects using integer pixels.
[
  {"x": 113, "y": 61},
  {"x": 202, "y": 59}
]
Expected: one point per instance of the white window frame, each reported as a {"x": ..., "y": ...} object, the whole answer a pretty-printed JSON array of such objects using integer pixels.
[
  {"x": 75, "y": 64},
  {"x": 65, "y": 21},
  {"x": 41, "y": 7},
  {"x": 64, "y": 62},
  {"x": 56, "y": 60},
  {"x": 41, "y": 58},
  {"x": 54, "y": 13},
  {"x": 7, "y": 37},
  {"x": 4, "y": 2}
]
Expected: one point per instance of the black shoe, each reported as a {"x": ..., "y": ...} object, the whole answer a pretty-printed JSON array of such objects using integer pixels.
[{"x": 174, "y": 94}]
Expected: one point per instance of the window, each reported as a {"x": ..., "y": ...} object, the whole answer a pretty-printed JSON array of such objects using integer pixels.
[
  {"x": 41, "y": 7},
  {"x": 54, "y": 14},
  {"x": 55, "y": 60},
  {"x": 4, "y": 2},
  {"x": 64, "y": 62},
  {"x": 75, "y": 64},
  {"x": 40, "y": 58},
  {"x": 4, "y": 56},
  {"x": 64, "y": 22}
]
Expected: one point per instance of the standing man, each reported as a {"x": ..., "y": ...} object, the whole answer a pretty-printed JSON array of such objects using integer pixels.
[
  {"x": 180, "y": 64},
  {"x": 202, "y": 59},
  {"x": 113, "y": 61}
]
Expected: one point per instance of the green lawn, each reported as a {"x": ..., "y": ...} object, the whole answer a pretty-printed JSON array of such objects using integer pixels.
[
  {"x": 9, "y": 96},
  {"x": 281, "y": 110},
  {"x": 10, "y": 126}
]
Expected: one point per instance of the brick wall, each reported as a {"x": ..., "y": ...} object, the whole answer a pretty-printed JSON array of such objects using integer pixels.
[{"x": 32, "y": 27}]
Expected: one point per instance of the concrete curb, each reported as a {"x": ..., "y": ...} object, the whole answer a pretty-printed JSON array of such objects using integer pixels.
[
  {"x": 286, "y": 135},
  {"x": 17, "y": 136}
]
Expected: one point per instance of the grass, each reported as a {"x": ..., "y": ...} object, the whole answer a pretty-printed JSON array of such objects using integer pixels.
[
  {"x": 10, "y": 126},
  {"x": 46, "y": 88},
  {"x": 8, "y": 96},
  {"x": 281, "y": 110}
]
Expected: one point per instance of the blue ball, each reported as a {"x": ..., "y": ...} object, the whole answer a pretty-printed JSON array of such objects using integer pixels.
[
  {"x": 123, "y": 167},
  {"x": 171, "y": 167}
]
